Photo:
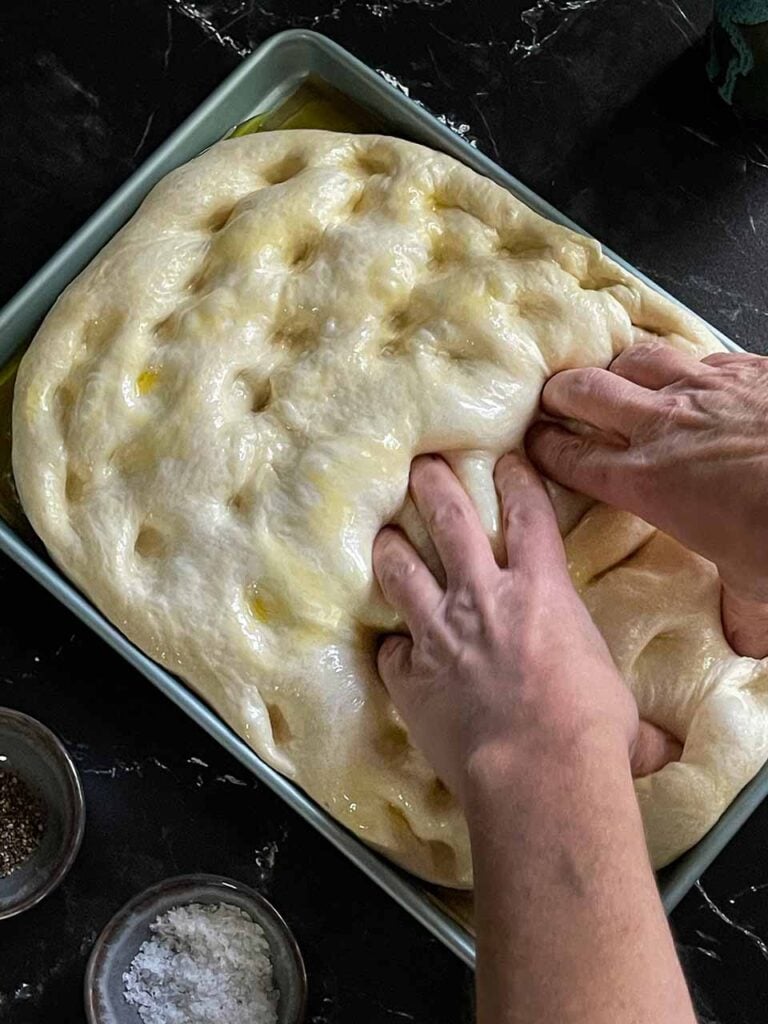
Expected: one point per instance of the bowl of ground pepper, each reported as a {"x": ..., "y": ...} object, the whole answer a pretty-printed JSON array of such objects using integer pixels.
[{"x": 42, "y": 812}]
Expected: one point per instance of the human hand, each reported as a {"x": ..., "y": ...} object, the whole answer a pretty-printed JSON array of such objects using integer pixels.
[
  {"x": 503, "y": 661},
  {"x": 682, "y": 444}
]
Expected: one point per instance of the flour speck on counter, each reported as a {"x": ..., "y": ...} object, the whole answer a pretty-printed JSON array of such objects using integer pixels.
[{"x": 205, "y": 964}]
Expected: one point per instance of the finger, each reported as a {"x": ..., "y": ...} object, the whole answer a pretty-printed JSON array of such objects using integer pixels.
[
  {"x": 727, "y": 358},
  {"x": 404, "y": 579},
  {"x": 653, "y": 748},
  {"x": 656, "y": 365},
  {"x": 451, "y": 519},
  {"x": 600, "y": 398},
  {"x": 586, "y": 464},
  {"x": 530, "y": 527},
  {"x": 745, "y": 623},
  {"x": 394, "y": 662}
]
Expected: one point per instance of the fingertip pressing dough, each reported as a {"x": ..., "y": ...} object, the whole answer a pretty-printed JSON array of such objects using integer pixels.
[{"x": 220, "y": 413}]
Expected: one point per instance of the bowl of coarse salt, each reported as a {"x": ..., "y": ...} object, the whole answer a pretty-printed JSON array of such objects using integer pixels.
[{"x": 198, "y": 949}]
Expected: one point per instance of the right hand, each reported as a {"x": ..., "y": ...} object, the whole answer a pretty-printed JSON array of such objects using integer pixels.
[
  {"x": 684, "y": 445},
  {"x": 499, "y": 661}
]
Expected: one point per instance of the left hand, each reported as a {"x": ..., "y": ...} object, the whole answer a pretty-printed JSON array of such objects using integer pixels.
[{"x": 680, "y": 443}]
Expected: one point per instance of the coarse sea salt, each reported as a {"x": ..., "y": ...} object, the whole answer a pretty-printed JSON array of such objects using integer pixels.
[{"x": 205, "y": 964}]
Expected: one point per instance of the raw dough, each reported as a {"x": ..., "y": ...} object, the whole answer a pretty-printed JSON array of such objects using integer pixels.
[{"x": 219, "y": 414}]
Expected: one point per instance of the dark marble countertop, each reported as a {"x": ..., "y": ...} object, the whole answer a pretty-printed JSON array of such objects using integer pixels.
[{"x": 602, "y": 106}]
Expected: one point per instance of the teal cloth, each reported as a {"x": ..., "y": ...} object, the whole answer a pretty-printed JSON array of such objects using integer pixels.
[{"x": 732, "y": 14}]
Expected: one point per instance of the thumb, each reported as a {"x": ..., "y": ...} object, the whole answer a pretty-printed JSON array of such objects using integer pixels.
[
  {"x": 653, "y": 748},
  {"x": 745, "y": 622},
  {"x": 394, "y": 663}
]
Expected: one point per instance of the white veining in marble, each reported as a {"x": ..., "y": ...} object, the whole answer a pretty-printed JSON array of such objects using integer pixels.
[
  {"x": 746, "y": 932},
  {"x": 194, "y": 13},
  {"x": 545, "y": 20}
]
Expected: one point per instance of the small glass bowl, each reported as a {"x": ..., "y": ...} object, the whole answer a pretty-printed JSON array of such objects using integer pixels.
[
  {"x": 30, "y": 750},
  {"x": 121, "y": 939}
]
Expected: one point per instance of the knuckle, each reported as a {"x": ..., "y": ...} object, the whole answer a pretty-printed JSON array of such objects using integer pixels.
[
  {"x": 671, "y": 404},
  {"x": 511, "y": 471},
  {"x": 471, "y": 615},
  {"x": 645, "y": 351},
  {"x": 434, "y": 646},
  {"x": 391, "y": 652},
  {"x": 519, "y": 517},
  {"x": 568, "y": 449},
  {"x": 427, "y": 471},
  {"x": 636, "y": 356},
  {"x": 385, "y": 543},
  {"x": 588, "y": 378},
  {"x": 514, "y": 482},
  {"x": 577, "y": 384},
  {"x": 449, "y": 516},
  {"x": 467, "y": 601},
  {"x": 396, "y": 569}
]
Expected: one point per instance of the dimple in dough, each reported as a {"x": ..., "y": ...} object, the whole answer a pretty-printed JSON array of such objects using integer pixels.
[{"x": 220, "y": 413}]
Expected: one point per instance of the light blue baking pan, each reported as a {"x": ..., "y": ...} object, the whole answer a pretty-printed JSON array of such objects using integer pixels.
[{"x": 260, "y": 83}]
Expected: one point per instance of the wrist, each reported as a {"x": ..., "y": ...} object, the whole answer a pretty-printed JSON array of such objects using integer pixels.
[{"x": 532, "y": 771}]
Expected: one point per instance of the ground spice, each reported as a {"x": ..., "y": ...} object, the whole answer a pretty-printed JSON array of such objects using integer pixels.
[{"x": 22, "y": 822}]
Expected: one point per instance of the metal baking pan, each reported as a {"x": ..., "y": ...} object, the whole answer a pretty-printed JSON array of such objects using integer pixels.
[{"x": 262, "y": 83}]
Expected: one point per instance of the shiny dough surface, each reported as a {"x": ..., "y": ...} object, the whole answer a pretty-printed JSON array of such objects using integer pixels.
[{"x": 220, "y": 413}]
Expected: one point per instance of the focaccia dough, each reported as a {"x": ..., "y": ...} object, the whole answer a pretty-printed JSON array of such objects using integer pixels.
[{"x": 220, "y": 413}]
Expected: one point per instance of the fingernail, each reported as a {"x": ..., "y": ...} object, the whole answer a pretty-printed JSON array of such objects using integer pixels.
[
  {"x": 508, "y": 463},
  {"x": 429, "y": 458}
]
